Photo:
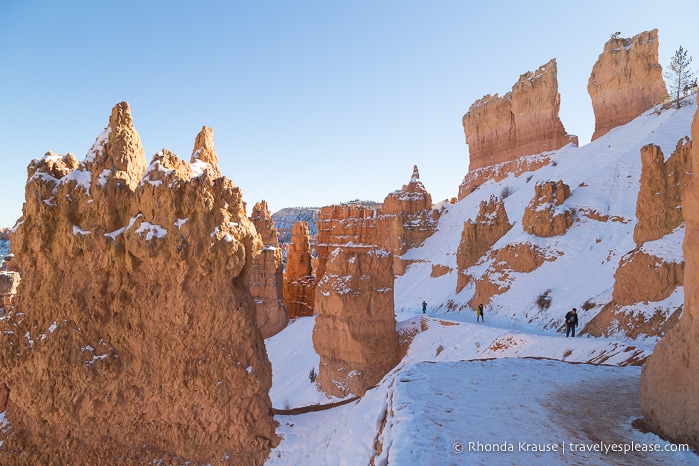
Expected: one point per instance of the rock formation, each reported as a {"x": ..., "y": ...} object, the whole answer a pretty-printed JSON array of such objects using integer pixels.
[
  {"x": 267, "y": 274},
  {"x": 626, "y": 81},
  {"x": 299, "y": 280},
  {"x": 642, "y": 276},
  {"x": 515, "y": 257},
  {"x": 479, "y": 236},
  {"x": 355, "y": 331},
  {"x": 524, "y": 121},
  {"x": 544, "y": 216},
  {"x": 9, "y": 281},
  {"x": 658, "y": 208},
  {"x": 133, "y": 337},
  {"x": 668, "y": 390},
  {"x": 404, "y": 221}
]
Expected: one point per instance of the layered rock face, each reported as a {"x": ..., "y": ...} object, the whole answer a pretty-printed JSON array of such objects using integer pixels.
[
  {"x": 659, "y": 205},
  {"x": 299, "y": 280},
  {"x": 133, "y": 337},
  {"x": 668, "y": 390},
  {"x": 479, "y": 236},
  {"x": 625, "y": 81},
  {"x": 644, "y": 275},
  {"x": 355, "y": 331},
  {"x": 524, "y": 121},
  {"x": 404, "y": 221},
  {"x": 267, "y": 274},
  {"x": 544, "y": 215},
  {"x": 517, "y": 258}
]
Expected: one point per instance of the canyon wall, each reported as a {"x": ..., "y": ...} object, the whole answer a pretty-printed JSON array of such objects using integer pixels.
[
  {"x": 133, "y": 336},
  {"x": 645, "y": 274},
  {"x": 355, "y": 330},
  {"x": 625, "y": 81},
  {"x": 267, "y": 274},
  {"x": 524, "y": 121},
  {"x": 668, "y": 390},
  {"x": 404, "y": 221}
]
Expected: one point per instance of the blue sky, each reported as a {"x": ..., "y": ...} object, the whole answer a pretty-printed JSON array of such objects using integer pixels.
[{"x": 311, "y": 102}]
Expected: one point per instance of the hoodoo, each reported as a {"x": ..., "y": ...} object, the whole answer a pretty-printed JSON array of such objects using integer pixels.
[{"x": 133, "y": 336}]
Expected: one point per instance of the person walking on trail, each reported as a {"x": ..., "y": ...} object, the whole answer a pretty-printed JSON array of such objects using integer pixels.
[
  {"x": 424, "y": 307},
  {"x": 479, "y": 313},
  {"x": 571, "y": 322}
]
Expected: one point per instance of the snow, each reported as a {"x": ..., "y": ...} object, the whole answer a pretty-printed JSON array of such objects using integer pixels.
[
  {"x": 98, "y": 146},
  {"x": 82, "y": 178},
  {"x": 79, "y": 231},
  {"x": 198, "y": 167},
  {"x": 104, "y": 177},
  {"x": 180, "y": 222},
  {"x": 152, "y": 231},
  {"x": 514, "y": 389},
  {"x": 120, "y": 231}
]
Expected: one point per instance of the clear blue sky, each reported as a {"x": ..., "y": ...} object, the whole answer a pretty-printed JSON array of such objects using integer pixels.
[{"x": 311, "y": 102}]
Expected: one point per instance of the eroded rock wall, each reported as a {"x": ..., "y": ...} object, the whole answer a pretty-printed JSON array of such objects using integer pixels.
[
  {"x": 524, "y": 121},
  {"x": 267, "y": 275},
  {"x": 625, "y": 81},
  {"x": 645, "y": 274},
  {"x": 133, "y": 336},
  {"x": 545, "y": 215},
  {"x": 479, "y": 235},
  {"x": 668, "y": 390},
  {"x": 299, "y": 278},
  {"x": 355, "y": 330},
  {"x": 404, "y": 221}
]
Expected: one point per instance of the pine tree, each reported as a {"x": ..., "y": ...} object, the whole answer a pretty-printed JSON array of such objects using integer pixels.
[{"x": 681, "y": 75}]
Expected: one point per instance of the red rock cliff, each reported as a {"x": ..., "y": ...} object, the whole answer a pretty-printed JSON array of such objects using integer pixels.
[
  {"x": 626, "y": 81},
  {"x": 404, "y": 221},
  {"x": 668, "y": 391},
  {"x": 524, "y": 121},
  {"x": 133, "y": 335}
]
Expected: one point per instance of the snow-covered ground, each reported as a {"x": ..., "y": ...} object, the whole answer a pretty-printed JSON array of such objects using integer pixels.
[
  {"x": 512, "y": 390},
  {"x": 471, "y": 393}
]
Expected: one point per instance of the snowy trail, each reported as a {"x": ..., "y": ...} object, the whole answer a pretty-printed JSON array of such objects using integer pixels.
[{"x": 464, "y": 382}]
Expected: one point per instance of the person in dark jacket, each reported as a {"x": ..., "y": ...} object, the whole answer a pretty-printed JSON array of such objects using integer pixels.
[
  {"x": 479, "y": 313},
  {"x": 424, "y": 307},
  {"x": 571, "y": 322}
]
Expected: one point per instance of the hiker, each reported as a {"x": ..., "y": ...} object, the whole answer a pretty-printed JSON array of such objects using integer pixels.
[
  {"x": 571, "y": 322},
  {"x": 424, "y": 307},
  {"x": 479, "y": 313}
]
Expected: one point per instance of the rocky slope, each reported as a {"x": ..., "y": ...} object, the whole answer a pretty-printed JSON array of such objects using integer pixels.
[
  {"x": 133, "y": 336},
  {"x": 668, "y": 392}
]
